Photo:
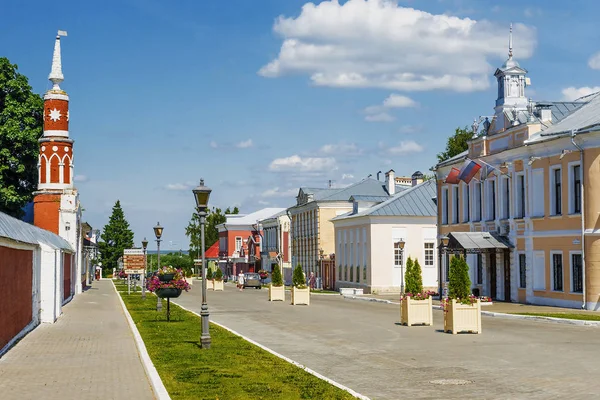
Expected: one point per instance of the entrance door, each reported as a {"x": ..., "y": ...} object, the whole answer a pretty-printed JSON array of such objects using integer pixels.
[
  {"x": 492, "y": 269},
  {"x": 507, "y": 276}
]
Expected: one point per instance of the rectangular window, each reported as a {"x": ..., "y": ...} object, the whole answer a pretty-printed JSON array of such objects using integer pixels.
[
  {"x": 576, "y": 209},
  {"x": 365, "y": 274},
  {"x": 557, "y": 272},
  {"x": 346, "y": 273},
  {"x": 491, "y": 200},
  {"x": 539, "y": 271},
  {"x": 479, "y": 269},
  {"x": 428, "y": 254},
  {"x": 522, "y": 271},
  {"x": 477, "y": 200},
  {"x": 444, "y": 206},
  {"x": 466, "y": 203},
  {"x": 537, "y": 192},
  {"x": 398, "y": 253},
  {"x": 238, "y": 243},
  {"x": 506, "y": 206},
  {"x": 520, "y": 196},
  {"x": 357, "y": 274},
  {"x": 351, "y": 273},
  {"x": 577, "y": 273},
  {"x": 455, "y": 205},
  {"x": 556, "y": 188}
]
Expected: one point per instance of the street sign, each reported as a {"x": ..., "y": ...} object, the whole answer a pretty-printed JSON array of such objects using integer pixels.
[{"x": 133, "y": 261}]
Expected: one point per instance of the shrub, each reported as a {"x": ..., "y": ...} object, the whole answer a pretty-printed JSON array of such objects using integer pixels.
[
  {"x": 414, "y": 280},
  {"x": 459, "y": 285},
  {"x": 276, "y": 278},
  {"x": 209, "y": 273},
  {"x": 219, "y": 275},
  {"x": 298, "y": 278},
  {"x": 408, "y": 281}
]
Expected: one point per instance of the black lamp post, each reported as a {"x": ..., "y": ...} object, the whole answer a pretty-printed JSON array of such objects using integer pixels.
[
  {"x": 400, "y": 245},
  {"x": 158, "y": 231},
  {"x": 444, "y": 240},
  {"x": 201, "y": 195},
  {"x": 144, "y": 246}
]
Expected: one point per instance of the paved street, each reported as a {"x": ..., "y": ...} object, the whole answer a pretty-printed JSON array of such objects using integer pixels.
[
  {"x": 89, "y": 353},
  {"x": 360, "y": 345}
]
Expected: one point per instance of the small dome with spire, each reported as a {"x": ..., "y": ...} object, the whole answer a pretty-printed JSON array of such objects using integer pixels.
[{"x": 417, "y": 175}]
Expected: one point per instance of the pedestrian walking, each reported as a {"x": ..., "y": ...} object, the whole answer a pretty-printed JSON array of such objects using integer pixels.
[{"x": 241, "y": 281}]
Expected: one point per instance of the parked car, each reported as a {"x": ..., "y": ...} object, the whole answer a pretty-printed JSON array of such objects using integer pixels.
[{"x": 252, "y": 280}]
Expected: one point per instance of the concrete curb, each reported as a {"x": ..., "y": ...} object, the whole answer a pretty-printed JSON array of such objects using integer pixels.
[
  {"x": 157, "y": 385},
  {"x": 564, "y": 321},
  {"x": 297, "y": 364}
]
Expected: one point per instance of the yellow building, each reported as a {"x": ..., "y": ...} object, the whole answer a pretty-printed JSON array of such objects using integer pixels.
[{"x": 530, "y": 229}]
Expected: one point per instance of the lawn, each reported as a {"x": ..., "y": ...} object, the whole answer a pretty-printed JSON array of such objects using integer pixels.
[
  {"x": 231, "y": 369},
  {"x": 583, "y": 317}
]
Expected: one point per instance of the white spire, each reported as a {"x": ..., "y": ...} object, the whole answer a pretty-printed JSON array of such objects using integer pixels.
[
  {"x": 510, "y": 44},
  {"x": 56, "y": 75}
]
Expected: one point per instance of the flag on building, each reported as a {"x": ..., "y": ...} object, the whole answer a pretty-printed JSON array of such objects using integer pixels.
[
  {"x": 468, "y": 171},
  {"x": 486, "y": 170},
  {"x": 453, "y": 176}
]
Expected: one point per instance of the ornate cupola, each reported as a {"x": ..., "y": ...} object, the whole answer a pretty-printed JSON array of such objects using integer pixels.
[
  {"x": 55, "y": 165},
  {"x": 511, "y": 89}
]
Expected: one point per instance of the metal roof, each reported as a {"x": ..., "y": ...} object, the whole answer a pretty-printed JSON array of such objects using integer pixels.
[
  {"x": 477, "y": 241},
  {"x": 14, "y": 229},
  {"x": 364, "y": 197},
  {"x": 585, "y": 116},
  {"x": 252, "y": 218},
  {"x": 366, "y": 187}
]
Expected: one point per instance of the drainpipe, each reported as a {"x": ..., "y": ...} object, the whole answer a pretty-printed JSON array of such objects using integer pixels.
[{"x": 581, "y": 159}]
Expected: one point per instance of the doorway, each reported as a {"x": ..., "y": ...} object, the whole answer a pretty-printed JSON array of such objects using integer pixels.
[
  {"x": 506, "y": 275},
  {"x": 492, "y": 269}
]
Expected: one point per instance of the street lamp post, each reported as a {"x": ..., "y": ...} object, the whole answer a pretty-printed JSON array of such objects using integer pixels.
[
  {"x": 444, "y": 241},
  {"x": 400, "y": 245},
  {"x": 144, "y": 246},
  {"x": 158, "y": 231},
  {"x": 201, "y": 195}
]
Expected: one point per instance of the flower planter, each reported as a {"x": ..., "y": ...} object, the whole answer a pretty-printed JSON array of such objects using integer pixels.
[
  {"x": 462, "y": 317},
  {"x": 210, "y": 285},
  {"x": 276, "y": 293},
  {"x": 217, "y": 285},
  {"x": 166, "y": 277},
  {"x": 168, "y": 293},
  {"x": 300, "y": 296},
  {"x": 416, "y": 312}
]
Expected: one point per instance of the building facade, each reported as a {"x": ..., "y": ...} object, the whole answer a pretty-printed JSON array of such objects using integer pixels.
[
  {"x": 527, "y": 222},
  {"x": 368, "y": 252},
  {"x": 277, "y": 245}
]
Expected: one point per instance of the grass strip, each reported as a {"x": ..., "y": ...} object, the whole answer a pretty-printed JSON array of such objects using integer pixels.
[
  {"x": 231, "y": 369},
  {"x": 581, "y": 317}
]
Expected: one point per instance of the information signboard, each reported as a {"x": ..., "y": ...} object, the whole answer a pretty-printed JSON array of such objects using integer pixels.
[{"x": 133, "y": 261}]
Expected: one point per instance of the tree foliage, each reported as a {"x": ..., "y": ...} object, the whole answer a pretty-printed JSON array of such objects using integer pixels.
[
  {"x": 456, "y": 143},
  {"x": 211, "y": 234},
  {"x": 298, "y": 279},
  {"x": 116, "y": 237},
  {"x": 21, "y": 121},
  {"x": 176, "y": 260},
  {"x": 209, "y": 273},
  {"x": 276, "y": 278},
  {"x": 414, "y": 280},
  {"x": 219, "y": 274},
  {"x": 459, "y": 285}
]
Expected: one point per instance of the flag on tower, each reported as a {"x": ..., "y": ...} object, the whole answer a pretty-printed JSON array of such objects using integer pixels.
[
  {"x": 468, "y": 170},
  {"x": 453, "y": 176}
]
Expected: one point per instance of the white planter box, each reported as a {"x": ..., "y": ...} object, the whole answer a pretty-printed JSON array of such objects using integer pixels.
[
  {"x": 217, "y": 285},
  {"x": 346, "y": 291},
  {"x": 209, "y": 285},
  {"x": 276, "y": 293},
  {"x": 300, "y": 296},
  {"x": 416, "y": 312},
  {"x": 358, "y": 291},
  {"x": 462, "y": 317}
]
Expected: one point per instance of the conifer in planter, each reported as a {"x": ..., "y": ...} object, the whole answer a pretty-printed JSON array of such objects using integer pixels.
[
  {"x": 218, "y": 280},
  {"x": 462, "y": 310},
  {"x": 276, "y": 288},
  {"x": 300, "y": 292},
  {"x": 209, "y": 279},
  {"x": 415, "y": 305}
]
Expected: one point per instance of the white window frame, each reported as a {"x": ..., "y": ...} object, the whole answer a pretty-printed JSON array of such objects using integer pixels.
[
  {"x": 571, "y": 275},
  {"x": 520, "y": 197},
  {"x": 466, "y": 202},
  {"x": 505, "y": 207},
  {"x": 491, "y": 199},
  {"x": 445, "y": 205},
  {"x": 553, "y": 169},
  {"x": 519, "y": 254},
  {"x": 477, "y": 204},
  {"x": 238, "y": 243},
  {"x": 571, "y": 179},
  {"x": 539, "y": 199},
  {"x": 455, "y": 204},
  {"x": 552, "y": 254},
  {"x": 432, "y": 249}
]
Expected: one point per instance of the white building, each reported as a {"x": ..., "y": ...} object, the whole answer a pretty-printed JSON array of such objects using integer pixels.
[
  {"x": 277, "y": 246},
  {"x": 368, "y": 254}
]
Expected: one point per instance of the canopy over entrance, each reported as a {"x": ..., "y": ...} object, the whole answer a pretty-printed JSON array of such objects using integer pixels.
[{"x": 477, "y": 242}]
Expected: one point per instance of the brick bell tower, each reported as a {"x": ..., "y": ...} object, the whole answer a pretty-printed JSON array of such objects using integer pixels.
[{"x": 56, "y": 202}]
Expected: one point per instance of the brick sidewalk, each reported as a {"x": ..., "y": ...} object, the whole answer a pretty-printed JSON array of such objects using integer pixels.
[{"x": 88, "y": 353}]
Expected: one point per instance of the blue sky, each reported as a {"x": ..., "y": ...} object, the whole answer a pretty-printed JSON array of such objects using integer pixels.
[{"x": 163, "y": 93}]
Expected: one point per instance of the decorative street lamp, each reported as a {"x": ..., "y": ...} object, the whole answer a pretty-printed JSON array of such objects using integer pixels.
[
  {"x": 144, "y": 246},
  {"x": 400, "y": 245},
  {"x": 158, "y": 231},
  {"x": 444, "y": 240},
  {"x": 201, "y": 195}
]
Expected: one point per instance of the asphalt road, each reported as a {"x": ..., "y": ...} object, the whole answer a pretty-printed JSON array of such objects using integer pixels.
[{"x": 360, "y": 344}]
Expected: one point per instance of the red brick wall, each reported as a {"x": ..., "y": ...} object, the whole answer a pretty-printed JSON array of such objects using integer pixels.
[
  {"x": 16, "y": 280},
  {"x": 45, "y": 211},
  {"x": 67, "y": 275}
]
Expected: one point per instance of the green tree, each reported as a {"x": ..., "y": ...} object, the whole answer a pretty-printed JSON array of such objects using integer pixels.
[
  {"x": 408, "y": 277},
  {"x": 276, "y": 278},
  {"x": 456, "y": 143},
  {"x": 417, "y": 277},
  {"x": 211, "y": 234},
  {"x": 298, "y": 277},
  {"x": 459, "y": 285},
  {"x": 219, "y": 274},
  {"x": 116, "y": 237},
  {"x": 209, "y": 274},
  {"x": 21, "y": 120},
  {"x": 176, "y": 260}
]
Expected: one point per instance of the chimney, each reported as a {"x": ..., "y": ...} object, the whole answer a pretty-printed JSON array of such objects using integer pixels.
[
  {"x": 417, "y": 178},
  {"x": 544, "y": 113},
  {"x": 390, "y": 180}
]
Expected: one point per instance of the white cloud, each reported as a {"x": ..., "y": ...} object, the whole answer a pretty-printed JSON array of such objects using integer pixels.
[
  {"x": 341, "y": 148},
  {"x": 399, "y": 101},
  {"x": 276, "y": 192},
  {"x": 214, "y": 144},
  {"x": 594, "y": 61},
  {"x": 299, "y": 164},
  {"x": 531, "y": 12},
  {"x": 573, "y": 93},
  {"x": 379, "y": 44},
  {"x": 179, "y": 186},
  {"x": 347, "y": 176},
  {"x": 244, "y": 144},
  {"x": 405, "y": 147},
  {"x": 381, "y": 117},
  {"x": 413, "y": 128},
  {"x": 80, "y": 178}
]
